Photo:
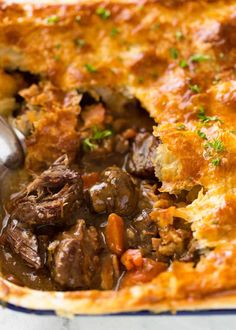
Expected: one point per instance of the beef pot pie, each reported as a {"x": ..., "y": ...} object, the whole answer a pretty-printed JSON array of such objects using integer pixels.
[{"x": 127, "y": 198}]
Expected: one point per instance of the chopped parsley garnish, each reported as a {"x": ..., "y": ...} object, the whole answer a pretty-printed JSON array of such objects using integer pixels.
[
  {"x": 101, "y": 134},
  {"x": 201, "y": 114},
  {"x": 205, "y": 119},
  {"x": 183, "y": 64},
  {"x": 114, "y": 32},
  {"x": 174, "y": 53},
  {"x": 179, "y": 35},
  {"x": 90, "y": 68},
  {"x": 79, "y": 42},
  {"x": 195, "y": 88},
  {"x": 52, "y": 19},
  {"x": 199, "y": 58},
  {"x": 57, "y": 58},
  {"x": 216, "y": 144},
  {"x": 181, "y": 127},
  {"x": 202, "y": 135},
  {"x": 103, "y": 13},
  {"x": 216, "y": 161},
  {"x": 90, "y": 143}
]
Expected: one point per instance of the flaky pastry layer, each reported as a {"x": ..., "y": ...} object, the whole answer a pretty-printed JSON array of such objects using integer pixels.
[{"x": 178, "y": 59}]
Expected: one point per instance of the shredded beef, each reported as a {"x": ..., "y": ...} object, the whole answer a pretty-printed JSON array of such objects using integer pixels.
[
  {"x": 26, "y": 244},
  {"x": 51, "y": 198}
]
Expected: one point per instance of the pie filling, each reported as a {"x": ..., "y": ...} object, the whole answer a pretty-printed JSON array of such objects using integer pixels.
[{"x": 86, "y": 222}]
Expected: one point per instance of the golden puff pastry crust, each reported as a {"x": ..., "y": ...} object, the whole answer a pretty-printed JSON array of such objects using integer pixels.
[{"x": 178, "y": 59}]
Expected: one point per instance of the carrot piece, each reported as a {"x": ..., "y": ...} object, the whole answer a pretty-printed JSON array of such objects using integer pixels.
[
  {"x": 89, "y": 179},
  {"x": 132, "y": 258},
  {"x": 148, "y": 271},
  {"x": 114, "y": 233}
]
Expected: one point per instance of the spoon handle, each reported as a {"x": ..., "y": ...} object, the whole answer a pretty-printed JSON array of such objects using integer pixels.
[{"x": 11, "y": 149}]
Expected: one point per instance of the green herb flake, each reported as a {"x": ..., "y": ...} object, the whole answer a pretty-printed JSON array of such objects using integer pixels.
[
  {"x": 213, "y": 118},
  {"x": 202, "y": 135},
  {"x": 202, "y": 115},
  {"x": 183, "y": 64},
  {"x": 199, "y": 58},
  {"x": 103, "y": 13},
  {"x": 174, "y": 53},
  {"x": 181, "y": 127},
  {"x": 79, "y": 42},
  {"x": 57, "y": 58},
  {"x": 205, "y": 119},
  {"x": 88, "y": 144},
  {"x": 101, "y": 134},
  {"x": 90, "y": 68},
  {"x": 216, "y": 144},
  {"x": 114, "y": 32},
  {"x": 179, "y": 35},
  {"x": 216, "y": 161},
  {"x": 195, "y": 88},
  {"x": 52, "y": 19}
]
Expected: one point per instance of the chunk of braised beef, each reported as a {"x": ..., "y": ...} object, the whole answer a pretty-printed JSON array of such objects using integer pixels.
[
  {"x": 147, "y": 196},
  {"x": 121, "y": 144},
  {"x": 140, "y": 159},
  {"x": 115, "y": 192},
  {"x": 51, "y": 198},
  {"x": 74, "y": 261},
  {"x": 141, "y": 231},
  {"x": 24, "y": 242}
]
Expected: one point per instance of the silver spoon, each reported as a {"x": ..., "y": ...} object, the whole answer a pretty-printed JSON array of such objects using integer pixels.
[{"x": 12, "y": 148}]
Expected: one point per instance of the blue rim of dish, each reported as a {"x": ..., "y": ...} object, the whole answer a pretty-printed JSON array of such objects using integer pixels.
[{"x": 141, "y": 313}]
